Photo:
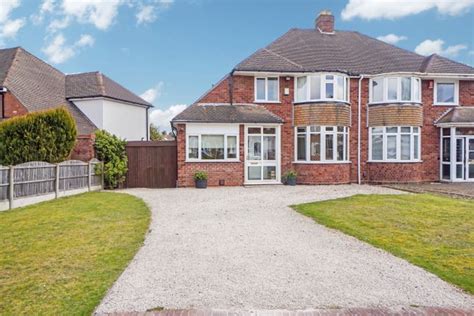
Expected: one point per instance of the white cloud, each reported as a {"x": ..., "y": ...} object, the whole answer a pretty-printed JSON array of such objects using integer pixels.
[
  {"x": 11, "y": 28},
  {"x": 429, "y": 47},
  {"x": 85, "y": 40},
  {"x": 58, "y": 51},
  {"x": 149, "y": 13},
  {"x": 97, "y": 12},
  {"x": 59, "y": 24},
  {"x": 390, "y": 9},
  {"x": 152, "y": 94},
  {"x": 146, "y": 14},
  {"x": 392, "y": 38},
  {"x": 161, "y": 118},
  {"x": 6, "y": 7}
]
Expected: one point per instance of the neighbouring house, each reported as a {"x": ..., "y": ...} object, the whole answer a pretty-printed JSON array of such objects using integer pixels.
[
  {"x": 336, "y": 107},
  {"x": 28, "y": 84}
]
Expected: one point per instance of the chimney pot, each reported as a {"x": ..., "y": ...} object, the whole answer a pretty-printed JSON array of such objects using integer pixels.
[{"x": 325, "y": 22}]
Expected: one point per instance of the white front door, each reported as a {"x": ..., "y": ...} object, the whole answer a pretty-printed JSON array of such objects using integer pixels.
[{"x": 262, "y": 154}]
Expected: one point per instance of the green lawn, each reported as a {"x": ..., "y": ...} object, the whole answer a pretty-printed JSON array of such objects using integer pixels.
[
  {"x": 61, "y": 257},
  {"x": 433, "y": 232}
]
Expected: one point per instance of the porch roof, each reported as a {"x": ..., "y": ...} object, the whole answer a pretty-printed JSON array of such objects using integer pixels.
[
  {"x": 226, "y": 113},
  {"x": 458, "y": 116}
]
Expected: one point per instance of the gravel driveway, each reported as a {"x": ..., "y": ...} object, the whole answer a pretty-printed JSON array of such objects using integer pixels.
[{"x": 243, "y": 248}]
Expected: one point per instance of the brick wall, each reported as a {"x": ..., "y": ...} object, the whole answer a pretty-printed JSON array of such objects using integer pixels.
[
  {"x": 84, "y": 148},
  {"x": 232, "y": 173},
  {"x": 427, "y": 170},
  {"x": 12, "y": 106},
  {"x": 323, "y": 173}
]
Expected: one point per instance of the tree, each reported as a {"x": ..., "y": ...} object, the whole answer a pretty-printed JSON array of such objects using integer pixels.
[
  {"x": 155, "y": 133},
  {"x": 40, "y": 136}
]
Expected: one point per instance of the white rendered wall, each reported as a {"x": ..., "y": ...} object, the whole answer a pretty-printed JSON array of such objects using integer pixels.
[
  {"x": 93, "y": 109},
  {"x": 124, "y": 120}
]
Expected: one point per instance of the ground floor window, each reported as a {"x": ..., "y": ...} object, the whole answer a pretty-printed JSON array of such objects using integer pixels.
[
  {"x": 394, "y": 143},
  {"x": 322, "y": 144},
  {"x": 212, "y": 147}
]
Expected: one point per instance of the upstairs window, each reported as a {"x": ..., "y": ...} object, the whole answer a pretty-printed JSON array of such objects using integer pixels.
[
  {"x": 395, "y": 89},
  {"x": 267, "y": 89},
  {"x": 446, "y": 92},
  {"x": 322, "y": 87}
]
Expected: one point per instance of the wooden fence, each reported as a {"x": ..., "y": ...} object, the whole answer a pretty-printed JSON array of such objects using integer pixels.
[
  {"x": 151, "y": 164},
  {"x": 37, "y": 181}
]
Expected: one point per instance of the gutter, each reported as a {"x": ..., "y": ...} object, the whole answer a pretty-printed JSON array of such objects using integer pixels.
[{"x": 2, "y": 101}]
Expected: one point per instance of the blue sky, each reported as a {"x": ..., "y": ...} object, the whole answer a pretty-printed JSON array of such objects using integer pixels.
[{"x": 172, "y": 51}]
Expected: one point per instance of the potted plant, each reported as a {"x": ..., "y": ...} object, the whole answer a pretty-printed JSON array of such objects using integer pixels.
[
  {"x": 200, "y": 179},
  {"x": 290, "y": 177}
]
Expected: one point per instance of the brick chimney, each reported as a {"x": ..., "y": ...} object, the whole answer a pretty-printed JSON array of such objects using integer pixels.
[{"x": 325, "y": 22}]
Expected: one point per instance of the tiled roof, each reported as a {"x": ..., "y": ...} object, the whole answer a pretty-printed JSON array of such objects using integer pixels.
[
  {"x": 458, "y": 115},
  {"x": 226, "y": 113},
  {"x": 94, "y": 84},
  {"x": 308, "y": 50},
  {"x": 37, "y": 85}
]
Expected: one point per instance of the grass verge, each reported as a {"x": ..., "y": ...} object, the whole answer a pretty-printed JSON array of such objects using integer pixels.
[
  {"x": 433, "y": 232},
  {"x": 60, "y": 257}
]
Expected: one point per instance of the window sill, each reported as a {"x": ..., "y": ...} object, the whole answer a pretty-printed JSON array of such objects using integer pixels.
[
  {"x": 321, "y": 102},
  {"x": 211, "y": 161},
  {"x": 395, "y": 161},
  {"x": 322, "y": 162},
  {"x": 407, "y": 103},
  {"x": 445, "y": 104},
  {"x": 266, "y": 102}
]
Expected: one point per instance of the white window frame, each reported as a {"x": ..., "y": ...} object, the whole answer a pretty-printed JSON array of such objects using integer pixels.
[
  {"x": 322, "y": 133},
  {"x": 199, "y": 159},
  {"x": 266, "y": 90},
  {"x": 415, "y": 96},
  {"x": 322, "y": 88},
  {"x": 398, "y": 135},
  {"x": 456, "y": 92}
]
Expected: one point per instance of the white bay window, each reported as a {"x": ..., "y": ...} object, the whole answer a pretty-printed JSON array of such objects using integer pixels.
[
  {"x": 322, "y": 87},
  {"x": 395, "y": 89},
  {"x": 394, "y": 144},
  {"x": 322, "y": 144}
]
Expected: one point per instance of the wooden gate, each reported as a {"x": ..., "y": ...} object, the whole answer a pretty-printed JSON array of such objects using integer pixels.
[{"x": 151, "y": 164}]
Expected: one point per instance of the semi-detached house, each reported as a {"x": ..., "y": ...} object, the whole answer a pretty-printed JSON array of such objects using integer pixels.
[{"x": 335, "y": 106}]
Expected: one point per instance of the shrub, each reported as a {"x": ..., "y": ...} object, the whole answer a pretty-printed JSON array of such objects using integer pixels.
[
  {"x": 200, "y": 175},
  {"x": 290, "y": 174},
  {"x": 111, "y": 150},
  {"x": 40, "y": 136}
]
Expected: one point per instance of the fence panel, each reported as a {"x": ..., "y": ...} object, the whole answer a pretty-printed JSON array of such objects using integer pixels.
[
  {"x": 151, "y": 164},
  {"x": 38, "y": 181}
]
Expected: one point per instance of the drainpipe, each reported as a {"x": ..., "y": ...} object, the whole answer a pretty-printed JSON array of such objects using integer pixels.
[{"x": 359, "y": 130}]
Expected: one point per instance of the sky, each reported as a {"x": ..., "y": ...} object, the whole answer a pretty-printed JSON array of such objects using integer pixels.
[{"x": 172, "y": 51}]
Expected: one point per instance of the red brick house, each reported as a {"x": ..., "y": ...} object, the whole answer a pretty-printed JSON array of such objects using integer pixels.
[
  {"x": 335, "y": 106},
  {"x": 28, "y": 84}
]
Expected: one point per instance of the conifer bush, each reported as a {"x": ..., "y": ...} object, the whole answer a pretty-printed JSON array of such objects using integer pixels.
[{"x": 40, "y": 136}]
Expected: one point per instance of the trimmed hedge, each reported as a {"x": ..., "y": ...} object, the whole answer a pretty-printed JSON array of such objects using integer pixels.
[
  {"x": 40, "y": 136},
  {"x": 111, "y": 151}
]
